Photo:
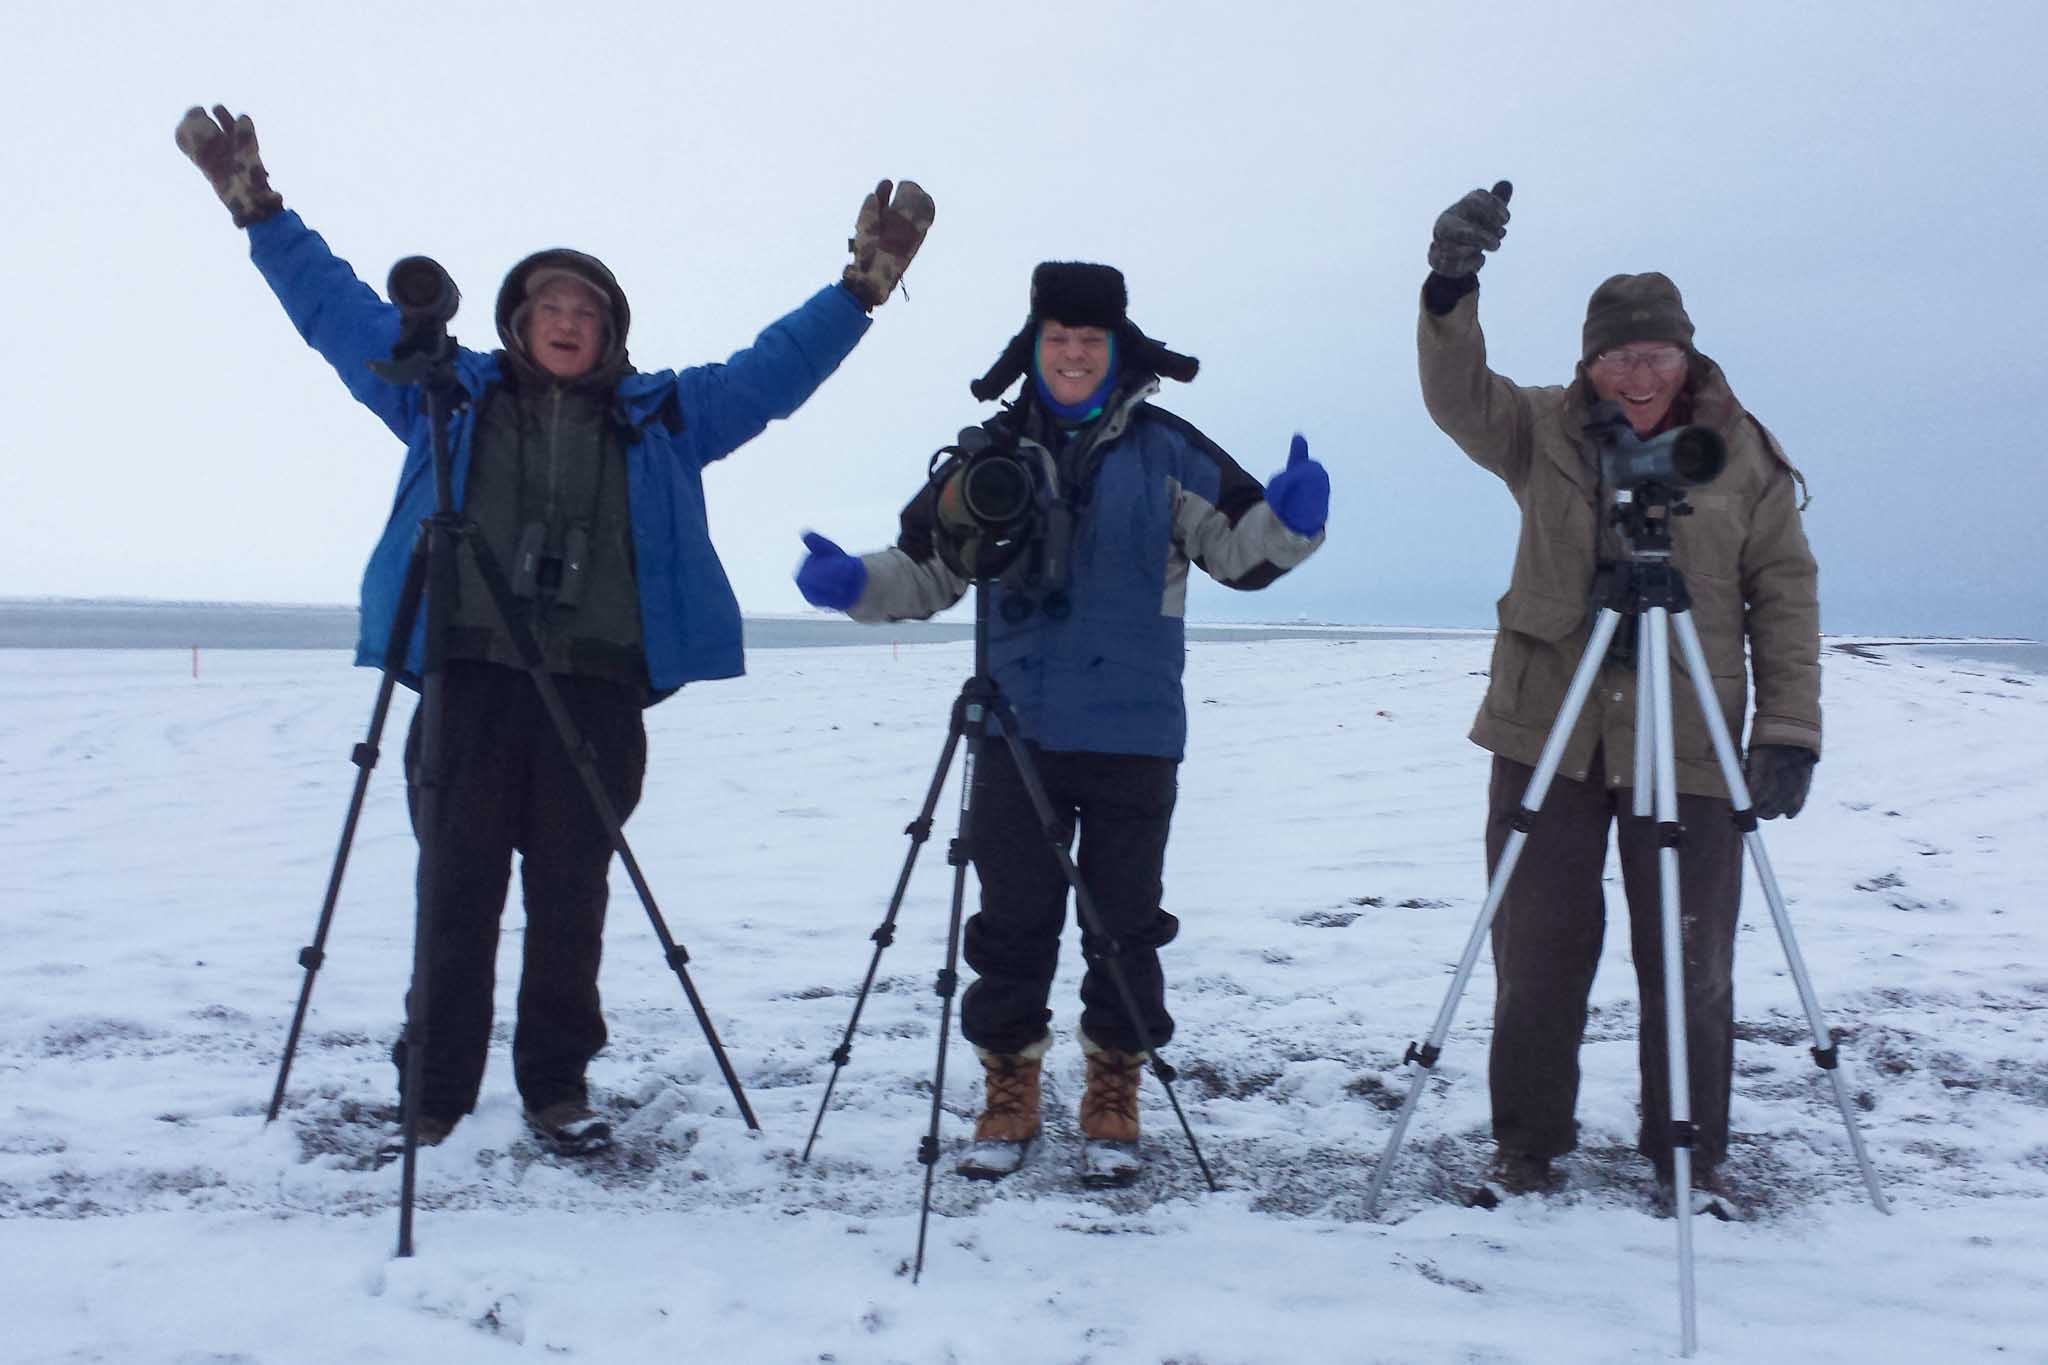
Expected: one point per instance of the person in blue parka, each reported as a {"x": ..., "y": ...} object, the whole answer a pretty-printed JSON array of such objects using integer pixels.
[
  {"x": 1087, "y": 644},
  {"x": 583, "y": 476}
]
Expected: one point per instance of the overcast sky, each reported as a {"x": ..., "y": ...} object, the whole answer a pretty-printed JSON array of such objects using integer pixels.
[{"x": 1848, "y": 195}]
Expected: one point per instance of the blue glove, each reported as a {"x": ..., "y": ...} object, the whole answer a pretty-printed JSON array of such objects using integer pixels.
[
  {"x": 829, "y": 577},
  {"x": 1300, "y": 494}
]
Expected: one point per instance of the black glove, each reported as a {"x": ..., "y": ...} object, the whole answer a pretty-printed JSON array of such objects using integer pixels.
[
  {"x": 1467, "y": 230},
  {"x": 886, "y": 235},
  {"x": 1778, "y": 776},
  {"x": 224, "y": 149}
]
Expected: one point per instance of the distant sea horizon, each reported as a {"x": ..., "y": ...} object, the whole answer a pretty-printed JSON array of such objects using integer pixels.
[{"x": 158, "y": 623}]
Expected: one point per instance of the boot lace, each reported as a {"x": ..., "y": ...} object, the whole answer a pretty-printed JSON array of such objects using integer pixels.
[
  {"x": 1112, "y": 1087},
  {"x": 1006, "y": 1088}
]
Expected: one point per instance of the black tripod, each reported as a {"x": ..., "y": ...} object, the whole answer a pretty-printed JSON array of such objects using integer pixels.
[
  {"x": 1648, "y": 587},
  {"x": 980, "y": 700},
  {"x": 424, "y": 355}
]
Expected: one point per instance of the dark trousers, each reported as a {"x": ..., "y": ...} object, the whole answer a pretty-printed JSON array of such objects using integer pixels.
[
  {"x": 1122, "y": 804},
  {"x": 1546, "y": 945},
  {"x": 509, "y": 785}
]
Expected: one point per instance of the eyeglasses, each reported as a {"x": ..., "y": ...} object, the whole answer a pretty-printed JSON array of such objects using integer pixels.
[{"x": 1663, "y": 360}]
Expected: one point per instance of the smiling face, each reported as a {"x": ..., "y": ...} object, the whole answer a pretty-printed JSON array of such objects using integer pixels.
[
  {"x": 1643, "y": 378},
  {"x": 1072, "y": 360},
  {"x": 564, "y": 332}
]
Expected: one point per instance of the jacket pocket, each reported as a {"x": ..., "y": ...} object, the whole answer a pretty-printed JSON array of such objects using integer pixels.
[
  {"x": 1537, "y": 614},
  {"x": 1531, "y": 665}
]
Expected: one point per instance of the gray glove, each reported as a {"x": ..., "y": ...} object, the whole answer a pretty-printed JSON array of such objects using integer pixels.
[
  {"x": 1468, "y": 229},
  {"x": 1778, "y": 776},
  {"x": 223, "y": 147}
]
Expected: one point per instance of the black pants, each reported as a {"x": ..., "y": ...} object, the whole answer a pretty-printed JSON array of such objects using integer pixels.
[
  {"x": 1546, "y": 945},
  {"x": 510, "y": 785},
  {"x": 1122, "y": 804}
]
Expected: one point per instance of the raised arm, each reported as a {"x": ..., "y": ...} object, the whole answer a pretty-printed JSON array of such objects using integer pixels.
[
  {"x": 1484, "y": 413},
  {"x": 728, "y": 405},
  {"x": 338, "y": 315}
]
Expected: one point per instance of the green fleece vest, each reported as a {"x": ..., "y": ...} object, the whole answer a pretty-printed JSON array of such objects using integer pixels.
[{"x": 547, "y": 478}]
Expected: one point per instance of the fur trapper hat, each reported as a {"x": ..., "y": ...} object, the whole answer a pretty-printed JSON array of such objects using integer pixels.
[{"x": 1081, "y": 294}]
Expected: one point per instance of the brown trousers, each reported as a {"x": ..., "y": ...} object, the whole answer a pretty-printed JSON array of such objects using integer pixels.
[{"x": 1546, "y": 945}]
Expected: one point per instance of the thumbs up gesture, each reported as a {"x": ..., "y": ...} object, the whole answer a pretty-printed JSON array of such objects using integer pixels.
[
  {"x": 1300, "y": 494},
  {"x": 829, "y": 577},
  {"x": 1468, "y": 229}
]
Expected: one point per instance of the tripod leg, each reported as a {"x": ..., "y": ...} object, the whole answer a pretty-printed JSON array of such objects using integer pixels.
[
  {"x": 1680, "y": 1088},
  {"x": 441, "y": 530},
  {"x": 972, "y": 712},
  {"x": 581, "y": 755},
  {"x": 919, "y": 830},
  {"x": 1425, "y": 1056},
  {"x": 364, "y": 757},
  {"x": 1645, "y": 785},
  {"x": 1824, "y": 1049},
  {"x": 1084, "y": 906}
]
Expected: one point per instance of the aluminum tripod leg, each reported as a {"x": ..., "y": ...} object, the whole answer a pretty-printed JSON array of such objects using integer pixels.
[
  {"x": 1532, "y": 801},
  {"x": 1823, "y": 1050},
  {"x": 1664, "y": 764}
]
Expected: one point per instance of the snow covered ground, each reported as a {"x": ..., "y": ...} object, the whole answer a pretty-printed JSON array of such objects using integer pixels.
[{"x": 164, "y": 842}]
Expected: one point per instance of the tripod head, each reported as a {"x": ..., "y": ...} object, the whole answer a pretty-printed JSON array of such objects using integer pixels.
[
  {"x": 1648, "y": 477},
  {"x": 1646, "y": 482},
  {"x": 424, "y": 354},
  {"x": 426, "y": 298}
]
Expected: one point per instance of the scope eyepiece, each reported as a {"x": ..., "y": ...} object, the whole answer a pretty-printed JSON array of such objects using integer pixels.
[
  {"x": 423, "y": 292},
  {"x": 993, "y": 491},
  {"x": 1681, "y": 458}
]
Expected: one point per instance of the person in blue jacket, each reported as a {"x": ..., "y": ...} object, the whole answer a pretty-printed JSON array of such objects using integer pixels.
[
  {"x": 1087, "y": 645},
  {"x": 584, "y": 478}
]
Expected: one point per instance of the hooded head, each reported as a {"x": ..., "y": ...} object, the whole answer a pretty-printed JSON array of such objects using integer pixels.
[
  {"x": 1079, "y": 297},
  {"x": 563, "y": 317}
]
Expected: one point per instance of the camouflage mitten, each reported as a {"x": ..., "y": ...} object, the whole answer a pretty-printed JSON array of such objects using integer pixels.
[
  {"x": 223, "y": 147},
  {"x": 1467, "y": 230},
  {"x": 885, "y": 238}
]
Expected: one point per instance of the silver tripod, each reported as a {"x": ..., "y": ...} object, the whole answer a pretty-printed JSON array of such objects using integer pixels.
[{"x": 1650, "y": 588}]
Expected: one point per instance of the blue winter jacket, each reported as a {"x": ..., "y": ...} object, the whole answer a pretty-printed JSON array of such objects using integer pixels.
[
  {"x": 679, "y": 421},
  {"x": 1102, "y": 674}
]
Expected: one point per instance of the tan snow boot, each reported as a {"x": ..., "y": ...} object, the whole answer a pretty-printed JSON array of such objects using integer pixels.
[
  {"x": 1109, "y": 1106},
  {"x": 1010, "y": 1094}
]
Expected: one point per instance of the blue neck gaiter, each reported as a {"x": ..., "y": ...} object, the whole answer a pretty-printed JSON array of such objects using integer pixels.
[{"x": 1089, "y": 408}]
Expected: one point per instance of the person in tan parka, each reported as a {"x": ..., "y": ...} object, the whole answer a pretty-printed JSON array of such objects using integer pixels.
[{"x": 1752, "y": 578}]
